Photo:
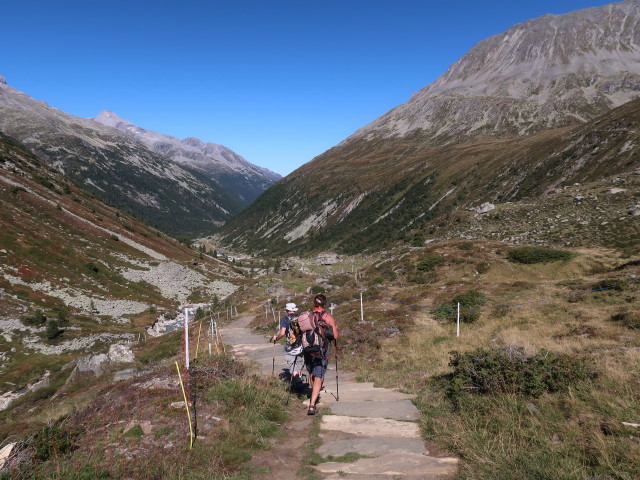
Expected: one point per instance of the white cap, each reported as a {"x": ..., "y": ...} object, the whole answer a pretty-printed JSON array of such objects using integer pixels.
[{"x": 291, "y": 307}]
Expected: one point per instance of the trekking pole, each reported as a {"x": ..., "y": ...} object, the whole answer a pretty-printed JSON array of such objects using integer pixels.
[
  {"x": 273, "y": 365},
  {"x": 337, "y": 385}
]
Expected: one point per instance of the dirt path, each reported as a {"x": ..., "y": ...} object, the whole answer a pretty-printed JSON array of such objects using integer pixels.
[{"x": 376, "y": 425}]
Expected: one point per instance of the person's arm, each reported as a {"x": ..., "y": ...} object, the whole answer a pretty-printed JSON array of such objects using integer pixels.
[
  {"x": 279, "y": 335},
  {"x": 332, "y": 321}
]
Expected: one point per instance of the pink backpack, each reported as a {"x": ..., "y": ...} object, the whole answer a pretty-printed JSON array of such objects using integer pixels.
[{"x": 316, "y": 332}]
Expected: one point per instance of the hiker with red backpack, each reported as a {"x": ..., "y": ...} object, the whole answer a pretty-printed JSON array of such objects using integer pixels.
[
  {"x": 318, "y": 330},
  {"x": 293, "y": 347}
]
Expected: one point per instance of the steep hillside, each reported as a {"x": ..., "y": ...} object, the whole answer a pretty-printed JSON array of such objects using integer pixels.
[
  {"x": 239, "y": 179},
  {"x": 522, "y": 113},
  {"x": 548, "y": 72},
  {"x": 100, "y": 274},
  {"x": 361, "y": 199},
  {"x": 116, "y": 167}
]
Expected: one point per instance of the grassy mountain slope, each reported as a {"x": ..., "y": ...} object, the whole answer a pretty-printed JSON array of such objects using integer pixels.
[
  {"x": 116, "y": 167},
  {"x": 366, "y": 194},
  {"x": 98, "y": 273}
]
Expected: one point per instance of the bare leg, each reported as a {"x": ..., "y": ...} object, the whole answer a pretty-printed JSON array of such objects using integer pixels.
[{"x": 316, "y": 384}]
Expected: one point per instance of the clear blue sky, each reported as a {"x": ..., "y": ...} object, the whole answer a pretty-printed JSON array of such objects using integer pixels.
[{"x": 277, "y": 81}]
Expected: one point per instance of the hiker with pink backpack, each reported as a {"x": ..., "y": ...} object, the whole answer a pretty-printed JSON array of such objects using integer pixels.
[{"x": 318, "y": 329}]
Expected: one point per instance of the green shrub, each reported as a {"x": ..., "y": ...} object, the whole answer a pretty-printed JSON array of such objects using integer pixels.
[
  {"x": 530, "y": 255},
  {"x": 53, "y": 440},
  {"x": 429, "y": 264},
  {"x": 512, "y": 371},
  {"x": 37, "y": 319},
  {"x": 92, "y": 267},
  {"x": 52, "y": 331},
  {"x": 627, "y": 319},
  {"x": 135, "y": 432},
  {"x": 611, "y": 284},
  {"x": 470, "y": 302},
  {"x": 482, "y": 267},
  {"x": 421, "y": 278}
]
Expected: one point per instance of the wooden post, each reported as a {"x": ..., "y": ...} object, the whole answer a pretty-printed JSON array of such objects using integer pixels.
[
  {"x": 361, "y": 309},
  {"x": 458, "y": 322}
]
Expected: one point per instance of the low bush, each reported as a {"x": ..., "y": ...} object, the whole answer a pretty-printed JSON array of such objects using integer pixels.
[
  {"x": 530, "y": 255},
  {"x": 429, "y": 264},
  {"x": 482, "y": 267},
  {"x": 53, "y": 331},
  {"x": 53, "y": 440},
  {"x": 627, "y": 319},
  {"x": 470, "y": 302},
  {"x": 36, "y": 319},
  {"x": 511, "y": 370},
  {"x": 611, "y": 284}
]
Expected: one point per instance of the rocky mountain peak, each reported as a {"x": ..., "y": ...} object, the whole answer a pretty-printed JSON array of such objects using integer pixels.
[
  {"x": 3, "y": 80},
  {"x": 552, "y": 71}
]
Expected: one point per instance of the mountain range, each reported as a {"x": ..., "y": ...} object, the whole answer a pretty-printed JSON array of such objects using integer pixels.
[
  {"x": 239, "y": 179},
  {"x": 548, "y": 103},
  {"x": 183, "y": 188}
]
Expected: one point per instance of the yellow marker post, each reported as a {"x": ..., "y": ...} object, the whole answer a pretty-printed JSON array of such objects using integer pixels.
[
  {"x": 198, "y": 343},
  {"x": 186, "y": 404}
]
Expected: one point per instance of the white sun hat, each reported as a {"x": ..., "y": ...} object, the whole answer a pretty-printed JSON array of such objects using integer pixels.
[{"x": 291, "y": 307}]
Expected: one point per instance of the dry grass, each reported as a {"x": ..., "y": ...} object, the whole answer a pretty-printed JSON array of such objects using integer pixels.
[{"x": 572, "y": 434}]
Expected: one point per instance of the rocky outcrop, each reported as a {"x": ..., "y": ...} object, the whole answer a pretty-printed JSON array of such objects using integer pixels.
[
  {"x": 484, "y": 208},
  {"x": 119, "y": 353}
]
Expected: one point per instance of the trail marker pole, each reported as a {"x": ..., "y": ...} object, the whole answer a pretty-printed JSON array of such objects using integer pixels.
[
  {"x": 186, "y": 337},
  {"x": 458, "y": 322},
  {"x": 337, "y": 383},
  {"x": 198, "y": 343},
  {"x": 361, "y": 309}
]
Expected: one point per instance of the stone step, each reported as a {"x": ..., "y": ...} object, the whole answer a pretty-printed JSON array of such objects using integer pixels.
[
  {"x": 370, "y": 427},
  {"x": 372, "y": 446},
  {"x": 397, "y": 409},
  {"x": 372, "y": 395},
  {"x": 395, "y": 464}
]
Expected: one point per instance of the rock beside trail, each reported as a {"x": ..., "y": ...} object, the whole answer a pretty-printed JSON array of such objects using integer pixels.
[
  {"x": 119, "y": 353},
  {"x": 93, "y": 365}
]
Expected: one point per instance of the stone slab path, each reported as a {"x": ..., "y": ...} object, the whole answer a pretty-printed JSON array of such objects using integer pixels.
[{"x": 377, "y": 423}]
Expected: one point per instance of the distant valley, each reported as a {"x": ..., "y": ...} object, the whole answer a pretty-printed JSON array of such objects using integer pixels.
[
  {"x": 550, "y": 102},
  {"x": 182, "y": 191}
]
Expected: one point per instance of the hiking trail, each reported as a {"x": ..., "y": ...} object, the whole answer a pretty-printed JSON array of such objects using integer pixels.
[{"x": 378, "y": 423}]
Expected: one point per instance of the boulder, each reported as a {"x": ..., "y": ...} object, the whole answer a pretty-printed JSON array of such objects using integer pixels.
[
  {"x": 119, "y": 353},
  {"x": 484, "y": 208},
  {"x": 277, "y": 290},
  {"x": 88, "y": 366},
  {"x": 614, "y": 190},
  {"x": 5, "y": 453},
  {"x": 634, "y": 210},
  {"x": 328, "y": 258}
]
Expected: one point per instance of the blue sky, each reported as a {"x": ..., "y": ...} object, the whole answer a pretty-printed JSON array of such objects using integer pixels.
[{"x": 277, "y": 81}]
